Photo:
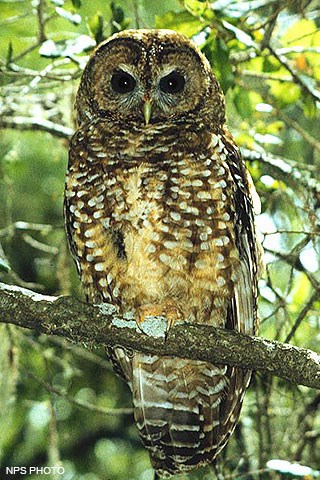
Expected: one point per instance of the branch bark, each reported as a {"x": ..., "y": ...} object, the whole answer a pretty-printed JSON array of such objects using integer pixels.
[{"x": 99, "y": 325}]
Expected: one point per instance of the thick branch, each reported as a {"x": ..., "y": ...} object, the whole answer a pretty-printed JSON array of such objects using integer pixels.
[{"x": 100, "y": 326}]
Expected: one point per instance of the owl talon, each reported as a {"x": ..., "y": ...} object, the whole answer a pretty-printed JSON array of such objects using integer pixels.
[{"x": 168, "y": 310}]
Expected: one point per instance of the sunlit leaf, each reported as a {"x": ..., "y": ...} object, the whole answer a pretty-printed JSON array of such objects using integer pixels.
[
  {"x": 195, "y": 7},
  {"x": 117, "y": 13},
  {"x": 285, "y": 92},
  {"x": 95, "y": 26},
  {"x": 74, "y": 18},
  {"x": 309, "y": 107},
  {"x": 67, "y": 48},
  {"x": 295, "y": 469},
  {"x": 303, "y": 32},
  {"x": 4, "y": 265},
  {"x": 242, "y": 36},
  {"x": 182, "y": 22},
  {"x": 243, "y": 103},
  {"x": 217, "y": 53},
  {"x": 9, "y": 53}
]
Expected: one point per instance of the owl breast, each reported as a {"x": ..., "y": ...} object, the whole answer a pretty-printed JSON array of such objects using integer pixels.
[{"x": 152, "y": 223}]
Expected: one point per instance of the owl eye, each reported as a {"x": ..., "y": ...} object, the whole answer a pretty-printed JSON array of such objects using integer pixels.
[
  {"x": 122, "y": 82},
  {"x": 172, "y": 83}
]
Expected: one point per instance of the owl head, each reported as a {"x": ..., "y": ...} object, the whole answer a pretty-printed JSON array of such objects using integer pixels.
[{"x": 149, "y": 76}]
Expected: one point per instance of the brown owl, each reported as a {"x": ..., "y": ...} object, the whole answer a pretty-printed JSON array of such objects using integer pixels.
[{"x": 159, "y": 216}]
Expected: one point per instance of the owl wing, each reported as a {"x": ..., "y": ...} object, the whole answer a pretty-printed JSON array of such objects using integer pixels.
[
  {"x": 242, "y": 312},
  {"x": 242, "y": 309}
]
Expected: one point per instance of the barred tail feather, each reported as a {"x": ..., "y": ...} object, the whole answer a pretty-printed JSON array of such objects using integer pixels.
[{"x": 183, "y": 409}]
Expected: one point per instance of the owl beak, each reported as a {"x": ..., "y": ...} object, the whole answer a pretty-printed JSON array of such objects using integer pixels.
[{"x": 147, "y": 111}]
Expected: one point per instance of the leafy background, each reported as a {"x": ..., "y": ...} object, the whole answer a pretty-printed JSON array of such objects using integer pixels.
[{"x": 62, "y": 404}]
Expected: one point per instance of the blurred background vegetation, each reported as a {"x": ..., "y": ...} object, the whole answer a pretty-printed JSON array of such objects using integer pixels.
[{"x": 62, "y": 403}]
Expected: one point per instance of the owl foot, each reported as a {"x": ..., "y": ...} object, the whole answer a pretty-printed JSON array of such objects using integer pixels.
[{"x": 169, "y": 310}]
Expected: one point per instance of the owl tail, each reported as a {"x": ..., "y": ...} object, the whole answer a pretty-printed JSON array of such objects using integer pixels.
[{"x": 185, "y": 410}]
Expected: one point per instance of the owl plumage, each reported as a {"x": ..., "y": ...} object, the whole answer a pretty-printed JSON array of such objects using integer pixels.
[{"x": 159, "y": 217}]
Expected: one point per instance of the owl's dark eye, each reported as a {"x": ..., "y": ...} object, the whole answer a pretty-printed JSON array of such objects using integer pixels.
[
  {"x": 122, "y": 82},
  {"x": 172, "y": 83}
]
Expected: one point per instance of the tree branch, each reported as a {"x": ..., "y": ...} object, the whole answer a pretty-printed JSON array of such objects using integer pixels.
[{"x": 98, "y": 325}]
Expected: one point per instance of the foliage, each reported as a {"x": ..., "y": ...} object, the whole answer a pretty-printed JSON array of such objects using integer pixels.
[{"x": 266, "y": 56}]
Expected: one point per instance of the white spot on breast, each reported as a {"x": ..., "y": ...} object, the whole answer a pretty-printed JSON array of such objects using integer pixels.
[
  {"x": 220, "y": 258},
  {"x": 226, "y": 217},
  {"x": 90, "y": 258},
  {"x": 221, "y": 281},
  {"x": 197, "y": 183},
  {"x": 80, "y": 193},
  {"x": 222, "y": 225},
  {"x": 218, "y": 242},
  {"x": 116, "y": 292},
  {"x": 101, "y": 155},
  {"x": 175, "y": 216},
  {"x": 89, "y": 233},
  {"x": 170, "y": 244},
  {"x": 106, "y": 222},
  {"x": 102, "y": 282},
  {"x": 199, "y": 222},
  {"x": 97, "y": 214},
  {"x": 90, "y": 244},
  {"x": 204, "y": 246},
  {"x": 204, "y": 195},
  {"x": 214, "y": 140},
  {"x": 193, "y": 210},
  {"x": 92, "y": 202},
  {"x": 164, "y": 228},
  {"x": 200, "y": 264},
  {"x": 166, "y": 259},
  {"x": 99, "y": 267},
  {"x": 187, "y": 245},
  {"x": 151, "y": 248}
]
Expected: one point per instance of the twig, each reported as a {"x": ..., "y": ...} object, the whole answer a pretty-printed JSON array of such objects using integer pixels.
[
  {"x": 80, "y": 403},
  {"x": 296, "y": 78},
  {"x": 25, "y": 123}
]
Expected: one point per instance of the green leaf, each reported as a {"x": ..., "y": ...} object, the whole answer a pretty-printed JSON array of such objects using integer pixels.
[
  {"x": 4, "y": 265},
  {"x": 195, "y": 7},
  {"x": 95, "y": 26},
  {"x": 217, "y": 53},
  {"x": 182, "y": 22},
  {"x": 309, "y": 107},
  {"x": 9, "y": 53},
  {"x": 76, "y": 3},
  {"x": 243, "y": 103},
  {"x": 117, "y": 13},
  {"x": 286, "y": 93}
]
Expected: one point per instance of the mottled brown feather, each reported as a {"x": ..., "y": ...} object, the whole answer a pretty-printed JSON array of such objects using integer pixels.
[{"x": 159, "y": 218}]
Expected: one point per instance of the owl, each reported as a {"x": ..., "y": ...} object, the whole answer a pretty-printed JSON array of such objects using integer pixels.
[{"x": 159, "y": 219}]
